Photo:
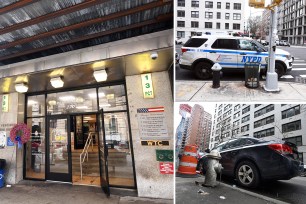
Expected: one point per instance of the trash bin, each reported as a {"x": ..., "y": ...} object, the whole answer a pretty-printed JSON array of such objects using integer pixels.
[
  {"x": 252, "y": 73},
  {"x": 2, "y": 167}
]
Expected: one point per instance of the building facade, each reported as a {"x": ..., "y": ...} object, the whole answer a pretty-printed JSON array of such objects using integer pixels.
[
  {"x": 265, "y": 121},
  {"x": 292, "y": 21},
  {"x": 199, "y": 127},
  {"x": 215, "y": 17}
]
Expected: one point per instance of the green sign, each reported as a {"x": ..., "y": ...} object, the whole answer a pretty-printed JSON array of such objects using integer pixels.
[
  {"x": 163, "y": 155},
  {"x": 5, "y": 105}
]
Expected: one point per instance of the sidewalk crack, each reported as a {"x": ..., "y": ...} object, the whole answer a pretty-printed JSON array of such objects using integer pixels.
[{"x": 197, "y": 91}]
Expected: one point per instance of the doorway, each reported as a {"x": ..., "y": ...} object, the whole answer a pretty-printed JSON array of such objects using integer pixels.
[{"x": 58, "y": 149}]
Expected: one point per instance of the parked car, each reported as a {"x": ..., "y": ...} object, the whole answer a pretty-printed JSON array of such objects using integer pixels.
[
  {"x": 250, "y": 160},
  {"x": 284, "y": 43},
  {"x": 177, "y": 58},
  {"x": 179, "y": 41},
  {"x": 277, "y": 42}
]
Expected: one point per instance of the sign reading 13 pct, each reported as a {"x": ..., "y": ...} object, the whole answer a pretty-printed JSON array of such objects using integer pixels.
[{"x": 147, "y": 86}]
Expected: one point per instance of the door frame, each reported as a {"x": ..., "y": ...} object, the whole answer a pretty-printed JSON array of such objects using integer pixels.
[
  {"x": 104, "y": 182},
  {"x": 63, "y": 177}
]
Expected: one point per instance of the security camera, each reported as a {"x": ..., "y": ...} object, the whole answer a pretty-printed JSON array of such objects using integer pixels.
[{"x": 154, "y": 55}]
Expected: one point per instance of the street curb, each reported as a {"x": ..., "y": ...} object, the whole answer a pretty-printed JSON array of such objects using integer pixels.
[
  {"x": 255, "y": 194},
  {"x": 242, "y": 81}
]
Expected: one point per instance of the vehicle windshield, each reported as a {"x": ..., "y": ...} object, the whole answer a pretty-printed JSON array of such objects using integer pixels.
[{"x": 260, "y": 46}]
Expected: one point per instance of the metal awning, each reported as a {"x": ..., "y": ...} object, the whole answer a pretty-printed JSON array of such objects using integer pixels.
[{"x": 31, "y": 29}]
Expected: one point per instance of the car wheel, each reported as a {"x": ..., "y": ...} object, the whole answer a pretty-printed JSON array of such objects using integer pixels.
[
  {"x": 247, "y": 174},
  {"x": 279, "y": 69},
  {"x": 203, "y": 70}
]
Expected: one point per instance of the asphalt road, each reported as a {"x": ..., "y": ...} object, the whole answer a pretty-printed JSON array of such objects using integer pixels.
[
  {"x": 291, "y": 191},
  {"x": 299, "y": 67}
]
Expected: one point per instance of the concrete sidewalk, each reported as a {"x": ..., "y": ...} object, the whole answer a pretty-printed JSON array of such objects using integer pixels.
[
  {"x": 188, "y": 192},
  {"x": 201, "y": 91},
  {"x": 35, "y": 192}
]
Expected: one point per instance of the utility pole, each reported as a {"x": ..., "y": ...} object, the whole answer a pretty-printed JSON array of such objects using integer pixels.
[{"x": 271, "y": 84}]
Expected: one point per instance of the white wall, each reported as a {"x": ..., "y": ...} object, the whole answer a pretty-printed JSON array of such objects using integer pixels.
[{"x": 150, "y": 182}]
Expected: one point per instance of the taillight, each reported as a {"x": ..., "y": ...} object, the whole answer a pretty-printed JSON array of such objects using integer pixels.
[
  {"x": 281, "y": 148},
  {"x": 184, "y": 50}
]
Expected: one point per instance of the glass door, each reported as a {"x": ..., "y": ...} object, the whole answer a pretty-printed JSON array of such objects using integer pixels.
[
  {"x": 103, "y": 153},
  {"x": 58, "y": 149}
]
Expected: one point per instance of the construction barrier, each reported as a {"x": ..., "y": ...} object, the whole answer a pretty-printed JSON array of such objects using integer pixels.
[{"x": 188, "y": 162}]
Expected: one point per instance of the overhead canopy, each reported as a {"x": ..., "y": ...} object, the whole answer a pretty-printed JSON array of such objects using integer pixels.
[{"x": 31, "y": 29}]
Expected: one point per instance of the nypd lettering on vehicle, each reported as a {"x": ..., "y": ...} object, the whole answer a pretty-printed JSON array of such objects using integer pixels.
[{"x": 251, "y": 59}]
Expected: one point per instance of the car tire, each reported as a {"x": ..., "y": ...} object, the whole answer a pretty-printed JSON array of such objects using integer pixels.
[
  {"x": 203, "y": 70},
  {"x": 247, "y": 174},
  {"x": 279, "y": 69}
]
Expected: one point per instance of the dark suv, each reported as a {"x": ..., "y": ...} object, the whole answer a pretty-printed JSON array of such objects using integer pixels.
[{"x": 251, "y": 160}]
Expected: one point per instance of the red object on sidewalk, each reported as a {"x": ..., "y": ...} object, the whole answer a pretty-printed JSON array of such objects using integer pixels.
[{"x": 166, "y": 167}]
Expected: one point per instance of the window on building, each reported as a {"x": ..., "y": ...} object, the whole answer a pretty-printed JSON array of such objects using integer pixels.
[
  {"x": 245, "y": 128},
  {"x": 208, "y": 15},
  {"x": 236, "y": 123},
  {"x": 227, "y": 6},
  {"x": 295, "y": 140},
  {"x": 236, "y": 107},
  {"x": 181, "y": 34},
  {"x": 237, "y": 6},
  {"x": 180, "y": 23},
  {"x": 235, "y": 131},
  {"x": 227, "y": 16},
  {"x": 236, "y": 26},
  {"x": 218, "y": 15},
  {"x": 226, "y": 25},
  {"x": 209, "y": 4},
  {"x": 236, "y": 115},
  {"x": 180, "y": 13},
  {"x": 264, "y": 133},
  {"x": 225, "y": 44},
  {"x": 194, "y": 14},
  {"x": 218, "y": 5},
  {"x": 264, "y": 110},
  {"x": 236, "y": 16},
  {"x": 181, "y": 3},
  {"x": 256, "y": 105},
  {"x": 264, "y": 121},
  {"x": 291, "y": 112},
  {"x": 245, "y": 110},
  {"x": 194, "y": 3},
  {"x": 194, "y": 24},
  {"x": 245, "y": 119},
  {"x": 292, "y": 126},
  {"x": 208, "y": 24},
  {"x": 218, "y": 25}
]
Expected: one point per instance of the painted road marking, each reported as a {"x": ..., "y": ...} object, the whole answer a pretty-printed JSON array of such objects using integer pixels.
[
  {"x": 287, "y": 77},
  {"x": 299, "y": 64},
  {"x": 304, "y": 76},
  {"x": 299, "y": 60},
  {"x": 298, "y": 69},
  {"x": 296, "y": 58}
]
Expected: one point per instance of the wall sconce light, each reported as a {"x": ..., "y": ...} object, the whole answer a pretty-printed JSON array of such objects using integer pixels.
[
  {"x": 21, "y": 87},
  {"x": 57, "y": 82},
  {"x": 100, "y": 75}
]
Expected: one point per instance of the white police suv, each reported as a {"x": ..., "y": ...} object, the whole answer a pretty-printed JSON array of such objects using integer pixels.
[{"x": 199, "y": 54}]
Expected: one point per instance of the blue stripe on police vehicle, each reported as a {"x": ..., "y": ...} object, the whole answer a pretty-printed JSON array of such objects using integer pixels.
[{"x": 237, "y": 52}]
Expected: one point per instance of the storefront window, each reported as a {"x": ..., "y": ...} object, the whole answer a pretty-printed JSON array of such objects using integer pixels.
[
  {"x": 36, "y": 106},
  {"x": 72, "y": 102},
  {"x": 35, "y": 149},
  {"x": 112, "y": 98}
]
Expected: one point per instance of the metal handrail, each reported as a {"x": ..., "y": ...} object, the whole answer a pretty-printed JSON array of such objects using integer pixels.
[{"x": 84, "y": 153}]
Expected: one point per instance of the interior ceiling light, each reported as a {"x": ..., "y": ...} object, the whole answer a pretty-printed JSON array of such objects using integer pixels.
[
  {"x": 21, "y": 87},
  {"x": 57, "y": 82},
  {"x": 110, "y": 96},
  {"x": 52, "y": 102},
  {"x": 100, "y": 75},
  {"x": 94, "y": 95}
]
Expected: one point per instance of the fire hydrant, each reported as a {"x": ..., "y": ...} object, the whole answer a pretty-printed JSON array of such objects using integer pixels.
[{"x": 213, "y": 167}]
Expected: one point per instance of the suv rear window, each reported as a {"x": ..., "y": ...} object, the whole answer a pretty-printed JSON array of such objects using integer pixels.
[
  {"x": 225, "y": 44},
  {"x": 195, "y": 42}
]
